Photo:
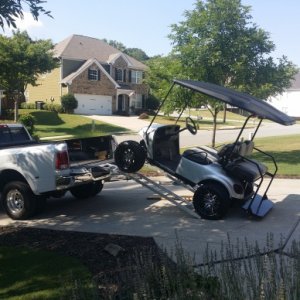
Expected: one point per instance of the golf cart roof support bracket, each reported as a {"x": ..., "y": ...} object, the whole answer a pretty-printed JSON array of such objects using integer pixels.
[
  {"x": 257, "y": 127},
  {"x": 164, "y": 192},
  {"x": 160, "y": 106},
  {"x": 242, "y": 129}
]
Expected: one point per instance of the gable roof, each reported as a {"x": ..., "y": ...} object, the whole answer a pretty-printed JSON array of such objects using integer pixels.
[
  {"x": 88, "y": 63},
  {"x": 80, "y": 47}
]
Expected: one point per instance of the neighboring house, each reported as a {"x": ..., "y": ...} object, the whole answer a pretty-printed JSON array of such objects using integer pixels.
[
  {"x": 103, "y": 79},
  {"x": 289, "y": 101}
]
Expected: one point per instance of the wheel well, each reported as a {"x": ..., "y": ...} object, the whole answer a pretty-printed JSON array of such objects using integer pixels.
[
  {"x": 215, "y": 182},
  {"x": 8, "y": 176}
]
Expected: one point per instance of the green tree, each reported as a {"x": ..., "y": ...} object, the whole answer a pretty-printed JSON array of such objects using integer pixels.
[
  {"x": 22, "y": 60},
  {"x": 217, "y": 42},
  {"x": 137, "y": 53},
  {"x": 12, "y": 9},
  {"x": 115, "y": 44},
  {"x": 69, "y": 103}
]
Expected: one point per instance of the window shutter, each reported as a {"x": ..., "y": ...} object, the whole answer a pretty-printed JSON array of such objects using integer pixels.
[
  {"x": 129, "y": 76},
  {"x": 99, "y": 74},
  {"x": 124, "y": 75},
  {"x": 116, "y": 74}
]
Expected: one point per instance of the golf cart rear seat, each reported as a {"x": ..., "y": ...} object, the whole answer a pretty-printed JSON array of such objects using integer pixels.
[{"x": 238, "y": 165}]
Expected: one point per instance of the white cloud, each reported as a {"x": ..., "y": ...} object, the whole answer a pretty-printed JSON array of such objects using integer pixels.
[{"x": 27, "y": 22}]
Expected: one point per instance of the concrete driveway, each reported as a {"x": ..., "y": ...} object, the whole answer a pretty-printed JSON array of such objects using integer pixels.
[{"x": 123, "y": 207}]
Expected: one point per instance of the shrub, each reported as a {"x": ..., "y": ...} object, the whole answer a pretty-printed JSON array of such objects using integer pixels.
[
  {"x": 53, "y": 107},
  {"x": 28, "y": 121},
  {"x": 69, "y": 103},
  {"x": 26, "y": 105},
  {"x": 152, "y": 103}
]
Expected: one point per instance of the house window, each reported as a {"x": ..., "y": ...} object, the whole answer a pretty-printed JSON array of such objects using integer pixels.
[
  {"x": 119, "y": 75},
  {"x": 139, "y": 101},
  {"x": 93, "y": 74},
  {"x": 136, "y": 76}
]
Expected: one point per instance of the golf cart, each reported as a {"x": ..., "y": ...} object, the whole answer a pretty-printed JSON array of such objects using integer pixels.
[{"x": 218, "y": 176}]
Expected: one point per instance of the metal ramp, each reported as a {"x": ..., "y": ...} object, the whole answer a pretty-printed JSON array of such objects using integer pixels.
[{"x": 164, "y": 192}]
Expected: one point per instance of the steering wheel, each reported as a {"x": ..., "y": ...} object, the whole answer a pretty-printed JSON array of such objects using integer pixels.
[{"x": 191, "y": 125}]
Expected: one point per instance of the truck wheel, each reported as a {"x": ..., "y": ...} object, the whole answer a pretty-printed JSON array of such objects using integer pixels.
[
  {"x": 18, "y": 200},
  {"x": 130, "y": 156},
  {"x": 211, "y": 201},
  {"x": 87, "y": 190}
]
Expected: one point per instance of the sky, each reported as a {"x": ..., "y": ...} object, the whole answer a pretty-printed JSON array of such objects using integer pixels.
[{"x": 145, "y": 24}]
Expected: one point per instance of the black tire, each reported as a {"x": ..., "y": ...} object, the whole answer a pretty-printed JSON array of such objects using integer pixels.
[
  {"x": 130, "y": 156},
  {"x": 87, "y": 190},
  {"x": 211, "y": 201},
  {"x": 18, "y": 200}
]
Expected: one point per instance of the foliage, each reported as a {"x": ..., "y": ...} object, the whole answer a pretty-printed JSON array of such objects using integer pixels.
[
  {"x": 115, "y": 44},
  {"x": 39, "y": 274},
  {"x": 53, "y": 107},
  {"x": 152, "y": 102},
  {"x": 69, "y": 103},
  {"x": 22, "y": 60},
  {"x": 27, "y": 105},
  {"x": 28, "y": 121},
  {"x": 136, "y": 53},
  {"x": 218, "y": 43},
  {"x": 12, "y": 9}
]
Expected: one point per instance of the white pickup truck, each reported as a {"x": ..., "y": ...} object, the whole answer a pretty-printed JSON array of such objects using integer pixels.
[{"x": 31, "y": 171}]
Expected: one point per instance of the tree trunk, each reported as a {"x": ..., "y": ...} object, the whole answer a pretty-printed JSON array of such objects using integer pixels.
[
  {"x": 225, "y": 113},
  {"x": 213, "y": 142},
  {"x": 16, "y": 112}
]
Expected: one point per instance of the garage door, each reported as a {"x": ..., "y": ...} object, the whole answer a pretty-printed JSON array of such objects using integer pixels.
[{"x": 93, "y": 104}]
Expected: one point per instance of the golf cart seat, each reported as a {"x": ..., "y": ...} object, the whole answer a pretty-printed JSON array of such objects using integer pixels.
[
  {"x": 242, "y": 167},
  {"x": 200, "y": 156},
  {"x": 246, "y": 170}
]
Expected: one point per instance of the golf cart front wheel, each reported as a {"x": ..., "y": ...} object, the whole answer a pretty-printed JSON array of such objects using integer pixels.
[
  {"x": 211, "y": 201},
  {"x": 130, "y": 156}
]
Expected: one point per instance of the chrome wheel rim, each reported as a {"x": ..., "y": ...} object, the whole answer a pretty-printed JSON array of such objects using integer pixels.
[
  {"x": 210, "y": 204},
  {"x": 15, "y": 201}
]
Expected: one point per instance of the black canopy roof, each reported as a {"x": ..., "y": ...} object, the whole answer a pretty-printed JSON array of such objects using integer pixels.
[{"x": 249, "y": 103}]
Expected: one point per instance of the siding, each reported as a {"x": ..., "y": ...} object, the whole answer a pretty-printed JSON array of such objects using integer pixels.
[{"x": 48, "y": 86}]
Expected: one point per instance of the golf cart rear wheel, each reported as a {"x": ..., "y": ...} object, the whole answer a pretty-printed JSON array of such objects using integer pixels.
[
  {"x": 130, "y": 156},
  {"x": 211, "y": 201}
]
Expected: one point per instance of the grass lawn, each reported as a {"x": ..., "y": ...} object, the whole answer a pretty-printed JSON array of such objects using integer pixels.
[
  {"x": 285, "y": 150},
  {"x": 35, "y": 274},
  {"x": 205, "y": 123},
  {"x": 53, "y": 124}
]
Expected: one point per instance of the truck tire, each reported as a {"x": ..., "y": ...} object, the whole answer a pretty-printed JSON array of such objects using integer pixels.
[
  {"x": 18, "y": 200},
  {"x": 87, "y": 190},
  {"x": 211, "y": 201},
  {"x": 130, "y": 156}
]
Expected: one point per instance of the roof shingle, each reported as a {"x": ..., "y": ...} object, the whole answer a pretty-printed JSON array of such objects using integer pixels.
[{"x": 83, "y": 48}]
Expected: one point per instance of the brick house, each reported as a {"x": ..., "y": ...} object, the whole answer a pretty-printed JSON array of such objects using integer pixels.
[{"x": 103, "y": 79}]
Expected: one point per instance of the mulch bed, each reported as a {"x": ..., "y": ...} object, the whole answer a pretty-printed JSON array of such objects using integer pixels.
[{"x": 89, "y": 248}]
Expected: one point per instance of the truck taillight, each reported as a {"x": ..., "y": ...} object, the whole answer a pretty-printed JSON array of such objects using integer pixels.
[{"x": 62, "y": 160}]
